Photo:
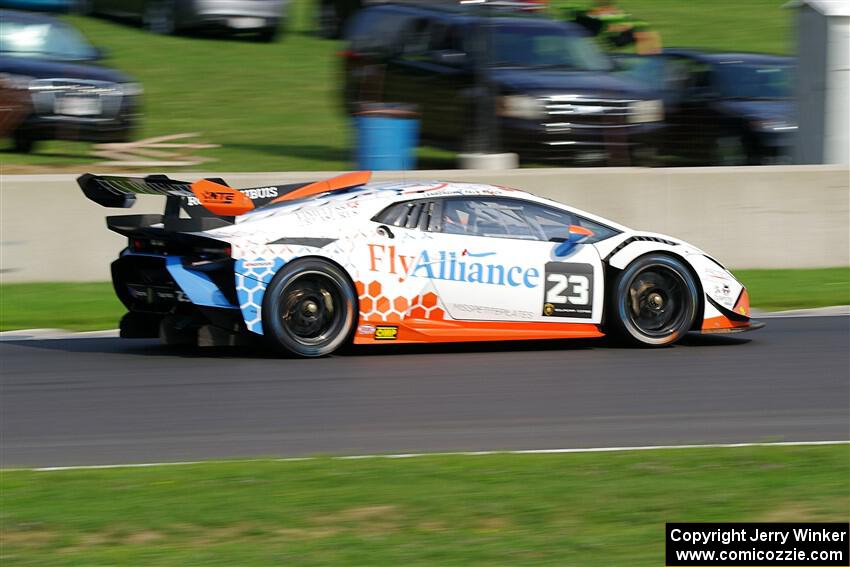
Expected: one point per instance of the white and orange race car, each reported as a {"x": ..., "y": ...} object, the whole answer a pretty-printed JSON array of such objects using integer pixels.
[{"x": 314, "y": 266}]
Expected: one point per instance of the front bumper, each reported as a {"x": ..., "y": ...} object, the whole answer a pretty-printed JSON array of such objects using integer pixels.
[
  {"x": 550, "y": 140},
  {"x": 740, "y": 328},
  {"x": 237, "y": 15}
]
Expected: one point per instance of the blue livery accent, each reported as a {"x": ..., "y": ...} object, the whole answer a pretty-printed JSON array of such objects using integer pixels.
[
  {"x": 197, "y": 286},
  {"x": 252, "y": 278}
]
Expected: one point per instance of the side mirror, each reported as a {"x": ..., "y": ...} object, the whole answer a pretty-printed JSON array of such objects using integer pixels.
[
  {"x": 385, "y": 232},
  {"x": 100, "y": 53},
  {"x": 577, "y": 234}
]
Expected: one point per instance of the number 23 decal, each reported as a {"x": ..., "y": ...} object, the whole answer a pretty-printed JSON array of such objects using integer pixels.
[
  {"x": 581, "y": 286},
  {"x": 568, "y": 290}
]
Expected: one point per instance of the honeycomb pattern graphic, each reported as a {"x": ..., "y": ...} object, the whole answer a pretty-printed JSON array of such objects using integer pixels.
[
  {"x": 251, "y": 282},
  {"x": 375, "y": 307}
]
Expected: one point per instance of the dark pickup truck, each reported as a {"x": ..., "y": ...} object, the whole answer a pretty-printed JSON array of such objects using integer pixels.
[
  {"x": 721, "y": 108},
  {"x": 545, "y": 88},
  {"x": 52, "y": 89}
]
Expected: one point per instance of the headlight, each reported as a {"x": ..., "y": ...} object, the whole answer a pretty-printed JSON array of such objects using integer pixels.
[
  {"x": 131, "y": 89},
  {"x": 646, "y": 111},
  {"x": 773, "y": 125},
  {"x": 11, "y": 81},
  {"x": 521, "y": 106}
]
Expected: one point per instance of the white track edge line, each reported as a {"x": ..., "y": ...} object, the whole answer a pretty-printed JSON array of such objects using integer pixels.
[{"x": 437, "y": 454}]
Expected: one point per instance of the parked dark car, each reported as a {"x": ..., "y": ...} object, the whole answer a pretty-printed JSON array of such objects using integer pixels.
[
  {"x": 49, "y": 70},
  {"x": 38, "y": 5},
  {"x": 547, "y": 89},
  {"x": 721, "y": 108},
  {"x": 261, "y": 18}
]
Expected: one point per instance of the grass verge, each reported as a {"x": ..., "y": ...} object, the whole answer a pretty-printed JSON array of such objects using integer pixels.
[
  {"x": 577, "y": 509},
  {"x": 90, "y": 306},
  {"x": 277, "y": 107}
]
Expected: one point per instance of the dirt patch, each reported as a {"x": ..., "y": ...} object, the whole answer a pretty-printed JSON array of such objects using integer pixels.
[
  {"x": 143, "y": 537},
  {"x": 797, "y": 512},
  {"x": 27, "y": 538}
]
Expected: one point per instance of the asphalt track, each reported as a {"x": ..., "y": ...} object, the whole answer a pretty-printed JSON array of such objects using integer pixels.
[{"x": 105, "y": 400}]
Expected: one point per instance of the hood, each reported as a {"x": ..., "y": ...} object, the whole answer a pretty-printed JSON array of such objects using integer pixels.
[
  {"x": 46, "y": 69},
  {"x": 754, "y": 109},
  {"x": 596, "y": 83}
]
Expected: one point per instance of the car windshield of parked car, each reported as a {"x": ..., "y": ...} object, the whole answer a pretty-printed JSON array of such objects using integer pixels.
[
  {"x": 536, "y": 47},
  {"x": 44, "y": 40},
  {"x": 741, "y": 80}
]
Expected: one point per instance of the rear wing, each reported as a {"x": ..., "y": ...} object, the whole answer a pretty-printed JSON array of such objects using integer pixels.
[{"x": 207, "y": 203}]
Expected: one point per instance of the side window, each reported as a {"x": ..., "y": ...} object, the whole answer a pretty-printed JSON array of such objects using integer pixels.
[
  {"x": 495, "y": 218},
  {"x": 421, "y": 215},
  {"x": 514, "y": 218},
  {"x": 417, "y": 39}
]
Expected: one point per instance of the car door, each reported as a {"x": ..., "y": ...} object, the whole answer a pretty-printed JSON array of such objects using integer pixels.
[
  {"x": 690, "y": 114},
  {"x": 495, "y": 260},
  {"x": 430, "y": 72}
]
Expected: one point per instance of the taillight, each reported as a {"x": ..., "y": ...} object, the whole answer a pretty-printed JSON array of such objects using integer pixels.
[
  {"x": 348, "y": 54},
  {"x": 137, "y": 245}
]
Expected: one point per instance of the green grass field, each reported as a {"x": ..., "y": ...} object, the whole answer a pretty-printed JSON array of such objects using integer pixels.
[
  {"x": 569, "y": 509},
  {"x": 90, "y": 306},
  {"x": 276, "y": 107}
]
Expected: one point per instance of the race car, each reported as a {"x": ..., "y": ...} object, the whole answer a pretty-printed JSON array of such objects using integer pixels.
[{"x": 312, "y": 267}]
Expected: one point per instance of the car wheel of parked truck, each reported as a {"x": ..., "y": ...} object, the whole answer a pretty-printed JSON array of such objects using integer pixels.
[
  {"x": 309, "y": 308},
  {"x": 654, "y": 301},
  {"x": 160, "y": 17}
]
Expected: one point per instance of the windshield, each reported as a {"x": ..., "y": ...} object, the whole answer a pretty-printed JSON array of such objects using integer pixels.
[
  {"x": 44, "y": 40},
  {"x": 546, "y": 48},
  {"x": 740, "y": 80}
]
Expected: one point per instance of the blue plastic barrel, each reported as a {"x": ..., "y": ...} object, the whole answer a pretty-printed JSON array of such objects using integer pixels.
[{"x": 387, "y": 136}]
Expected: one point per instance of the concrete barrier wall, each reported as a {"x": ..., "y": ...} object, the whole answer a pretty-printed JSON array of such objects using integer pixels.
[{"x": 748, "y": 217}]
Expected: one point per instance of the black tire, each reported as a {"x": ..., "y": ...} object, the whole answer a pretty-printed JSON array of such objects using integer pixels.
[
  {"x": 160, "y": 17},
  {"x": 330, "y": 22},
  {"x": 730, "y": 150},
  {"x": 309, "y": 308},
  {"x": 23, "y": 142},
  {"x": 267, "y": 35},
  {"x": 654, "y": 301}
]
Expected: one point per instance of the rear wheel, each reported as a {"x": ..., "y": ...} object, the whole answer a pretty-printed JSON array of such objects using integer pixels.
[
  {"x": 160, "y": 17},
  {"x": 330, "y": 23},
  {"x": 655, "y": 301},
  {"x": 309, "y": 308},
  {"x": 23, "y": 141}
]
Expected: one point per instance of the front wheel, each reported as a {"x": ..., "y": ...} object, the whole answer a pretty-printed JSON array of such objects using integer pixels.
[
  {"x": 309, "y": 308},
  {"x": 654, "y": 302}
]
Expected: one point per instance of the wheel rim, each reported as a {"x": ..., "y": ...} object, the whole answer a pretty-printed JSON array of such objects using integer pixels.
[
  {"x": 312, "y": 308},
  {"x": 656, "y": 301},
  {"x": 159, "y": 17}
]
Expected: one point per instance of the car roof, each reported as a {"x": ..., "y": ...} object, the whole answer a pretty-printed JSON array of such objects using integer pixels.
[
  {"x": 373, "y": 197},
  {"x": 716, "y": 57},
  {"x": 473, "y": 13}
]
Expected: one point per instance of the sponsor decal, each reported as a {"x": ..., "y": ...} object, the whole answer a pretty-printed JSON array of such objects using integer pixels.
[
  {"x": 326, "y": 213},
  {"x": 219, "y": 197},
  {"x": 258, "y": 264},
  {"x": 450, "y": 266},
  {"x": 493, "y": 311},
  {"x": 568, "y": 290},
  {"x": 260, "y": 192},
  {"x": 386, "y": 333},
  {"x": 365, "y": 330}
]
